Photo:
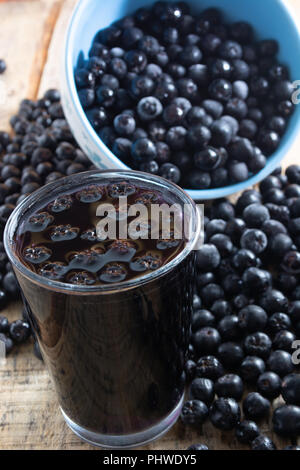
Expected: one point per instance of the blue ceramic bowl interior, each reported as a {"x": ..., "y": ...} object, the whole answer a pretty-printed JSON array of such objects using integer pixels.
[{"x": 270, "y": 18}]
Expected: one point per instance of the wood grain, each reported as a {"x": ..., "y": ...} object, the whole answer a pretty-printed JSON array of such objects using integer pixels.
[
  {"x": 52, "y": 70},
  {"x": 41, "y": 55},
  {"x": 31, "y": 37},
  {"x": 24, "y": 29}
]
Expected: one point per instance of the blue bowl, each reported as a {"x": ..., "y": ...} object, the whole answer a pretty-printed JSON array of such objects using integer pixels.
[{"x": 270, "y": 18}]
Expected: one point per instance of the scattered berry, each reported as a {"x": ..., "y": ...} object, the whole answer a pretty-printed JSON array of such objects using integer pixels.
[
  {"x": 194, "y": 412},
  {"x": 286, "y": 420},
  {"x": 19, "y": 331},
  {"x": 255, "y": 406},
  {"x": 2, "y": 66},
  {"x": 225, "y": 413},
  {"x": 263, "y": 443},
  {"x": 246, "y": 432}
]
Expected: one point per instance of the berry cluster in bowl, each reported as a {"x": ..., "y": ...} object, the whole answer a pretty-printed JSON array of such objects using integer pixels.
[{"x": 191, "y": 98}]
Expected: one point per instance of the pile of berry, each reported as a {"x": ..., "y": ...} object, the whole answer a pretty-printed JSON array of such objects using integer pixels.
[
  {"x": 191, "y": 98},
  {"x": 247, "y": 313},
  {"x": 41, "y": 150}
]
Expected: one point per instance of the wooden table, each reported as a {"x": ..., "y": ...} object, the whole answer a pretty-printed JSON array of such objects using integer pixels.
[{"x": 31, "y": 39}]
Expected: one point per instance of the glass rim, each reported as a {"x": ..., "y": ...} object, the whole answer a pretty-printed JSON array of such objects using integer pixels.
[{"x": 63, "y": 185}]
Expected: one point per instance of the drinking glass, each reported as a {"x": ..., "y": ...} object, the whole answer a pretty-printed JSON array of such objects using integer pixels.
[{"x": 116, "y": 353}]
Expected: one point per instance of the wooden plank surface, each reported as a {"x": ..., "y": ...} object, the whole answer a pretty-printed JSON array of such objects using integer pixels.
[
  {"x": 25, "y": 33},
  {"x": 31, "y": 38}
]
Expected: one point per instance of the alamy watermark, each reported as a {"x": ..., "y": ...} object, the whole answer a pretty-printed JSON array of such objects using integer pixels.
[
  {"x": 149, "y": 222},
  {"x": 296, "y": 353},
  {"x": 296, "y": 94}
]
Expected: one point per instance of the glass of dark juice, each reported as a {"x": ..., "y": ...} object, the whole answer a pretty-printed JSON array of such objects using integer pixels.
[{"x": 108, "y": 286}]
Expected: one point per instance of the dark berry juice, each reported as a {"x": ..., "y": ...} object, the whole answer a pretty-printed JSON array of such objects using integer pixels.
[
  {"x": 112, "y": 317},
  {"x": 60, "y": 240}
]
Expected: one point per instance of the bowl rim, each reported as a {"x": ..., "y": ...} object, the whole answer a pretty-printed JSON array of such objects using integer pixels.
[{"x": 273, "y": 160}]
